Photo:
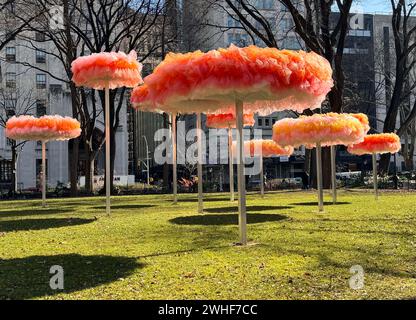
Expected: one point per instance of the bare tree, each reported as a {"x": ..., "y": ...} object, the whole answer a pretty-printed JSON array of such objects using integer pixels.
[
  {"x": 15, "y": 103},
  {"x": 399, "y": 82},
  {"x": 13, "y": 21},
  {"x": 320, "y": 31},
  {"x": 95, "y": 26}
]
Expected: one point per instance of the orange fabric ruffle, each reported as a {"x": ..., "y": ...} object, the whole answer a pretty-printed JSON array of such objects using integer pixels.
[
  {"x": 265, "y": 79},
  {"x": 226, "y": 120},
  {"x": 115, "y": 69},
  {"x": 42, "y": 129},
  {"x": 377, "y": 143},
  {"x": 265, "y": 148},
  {"x": 327, "y": 129}
]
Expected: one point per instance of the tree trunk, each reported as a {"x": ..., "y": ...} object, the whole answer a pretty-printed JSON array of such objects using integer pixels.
[
  {"x": 112, "y": 157},
  {"x": 312, "y": 168},
  {"x": 166, "y": 167},
  {"x": 13, "y": 187},
  {"x": 73, "y": 156},
  {"x": 89, "y": 170},
  {"x": 326, "y": 167}
]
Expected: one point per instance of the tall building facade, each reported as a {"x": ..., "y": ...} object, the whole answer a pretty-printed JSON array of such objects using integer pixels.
[{"x": 32, "y": 74}]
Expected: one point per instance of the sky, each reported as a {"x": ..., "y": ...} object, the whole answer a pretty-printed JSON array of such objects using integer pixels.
[{"x": 372, "y": 6}]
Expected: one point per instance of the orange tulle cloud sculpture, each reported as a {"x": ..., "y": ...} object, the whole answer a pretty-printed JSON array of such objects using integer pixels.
[
  {"x": 265, "y": 148},
  {"x": 45, "y": 128},
  {"x": 265, "y": 79},
  {"x": 115, "y": 69},
  {"x": 326, "y": 129},
  {"x": 139, "y": 98},
  {"x": 377, "y": 143},
  {"x": 226, "y": 120}
]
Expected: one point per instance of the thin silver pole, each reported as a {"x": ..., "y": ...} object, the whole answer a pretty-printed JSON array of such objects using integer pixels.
[
  {"x": 43, "y": 174},
  {"x": 333, "y": 175},
  {"x": 174, "y": 175},
  {"x": 199, "y": 137},
  {"x": 107, "y": 151},
  {"x": 242, "y": 215},
  {"x": 147, "y": 160},
  {"x": 375, "y": 175},
  {"x": 231, "y": 164},
  {"x": 319, "y": 176},
  {"x": 261, "y": 176}
]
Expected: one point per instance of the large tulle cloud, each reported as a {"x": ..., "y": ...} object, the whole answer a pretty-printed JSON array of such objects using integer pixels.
[
  {"x": 225, "y": 120},
  {"x": 377, "y": 143},
  {"x": 327, "y": 129},
  {"x": 116, "y": 69},
  {"x": 266, "y": 148},
  {"x": 42, "y": 129},
  {"x": 265, "y": 79}
]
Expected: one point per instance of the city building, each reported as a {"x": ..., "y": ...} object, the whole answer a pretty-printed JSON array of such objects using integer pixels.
[{"x": 30, "y": 72}]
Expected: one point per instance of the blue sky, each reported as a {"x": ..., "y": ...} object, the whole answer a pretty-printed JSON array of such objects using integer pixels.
[
  {"x": 375, "y": 5},
  {"x": 372, "y": 6}
]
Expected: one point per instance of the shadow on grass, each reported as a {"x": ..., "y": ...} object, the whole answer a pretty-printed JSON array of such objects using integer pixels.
[
  {"x": 225, "y": 219},
  {"x": 315, "y": 203},
  {"x": 33, "y": 212},
  {"x": 249, "y": 208},
  {"x": 125, "y": 206},
  {"x": 29, "y": 277},
  {"x": 196, "y": 199},
  {"x": 40, "y": 224}
]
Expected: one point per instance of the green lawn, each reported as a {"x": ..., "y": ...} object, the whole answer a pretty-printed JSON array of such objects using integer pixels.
[{"x": 151, "y": 249}]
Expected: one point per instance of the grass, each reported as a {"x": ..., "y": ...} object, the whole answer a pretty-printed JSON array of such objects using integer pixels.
[{"x": 151, "y": 249}]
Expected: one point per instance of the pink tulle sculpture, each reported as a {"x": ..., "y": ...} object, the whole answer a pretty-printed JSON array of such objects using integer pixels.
[
  {"x": 265, "y": 79},
  {"x": 377, "y": 143},
  {"x": 226, "y": 120},
  {"x": 140, "y": 97},
  {"x": 327, "y": 129},
  {"x": 265, "y": 148},
  {"x": 115, "y": 69},
  {"x": 42, "y": 129}
]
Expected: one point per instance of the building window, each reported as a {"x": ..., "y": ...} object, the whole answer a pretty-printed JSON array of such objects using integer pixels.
[
  {"x": 40, "y": 108},
  {"x": 10, "y": 7},
  {"x": 5, "y": 171},
  {"x": 274, "y": 121},
  {"x": 239, "y": 39},
  {"x": 10, "y": 106},
  {"x": 41, "y": 81},
  {"x": 260, "y": 122},
  {"x": 40, "y": 56},
  {"x": 11, "y": 54},
  {"x": 10, "y": 80},
  {"x": 9, "y": 142},
  {"x": 264, "y": 4},
  {"x": 267, "y": 122},
  {"x": 39, "y": 36}
]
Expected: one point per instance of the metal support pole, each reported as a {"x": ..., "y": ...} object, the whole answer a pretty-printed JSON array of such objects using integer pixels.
[
  {"x": 174, "y": 165},
  {"x": 375, "y": 175},
  {"x": 319, "y": 176},
  {"x": 107, "y": 151},
  {"x": 333, "y": 175},
  {"x": 261, "y": 176},
  {"x": 242, "y": 215},
  {"x": 231, "y": 164},
  {"x": 199, "y": 137},
  {"x": 43, "y": 174}
]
